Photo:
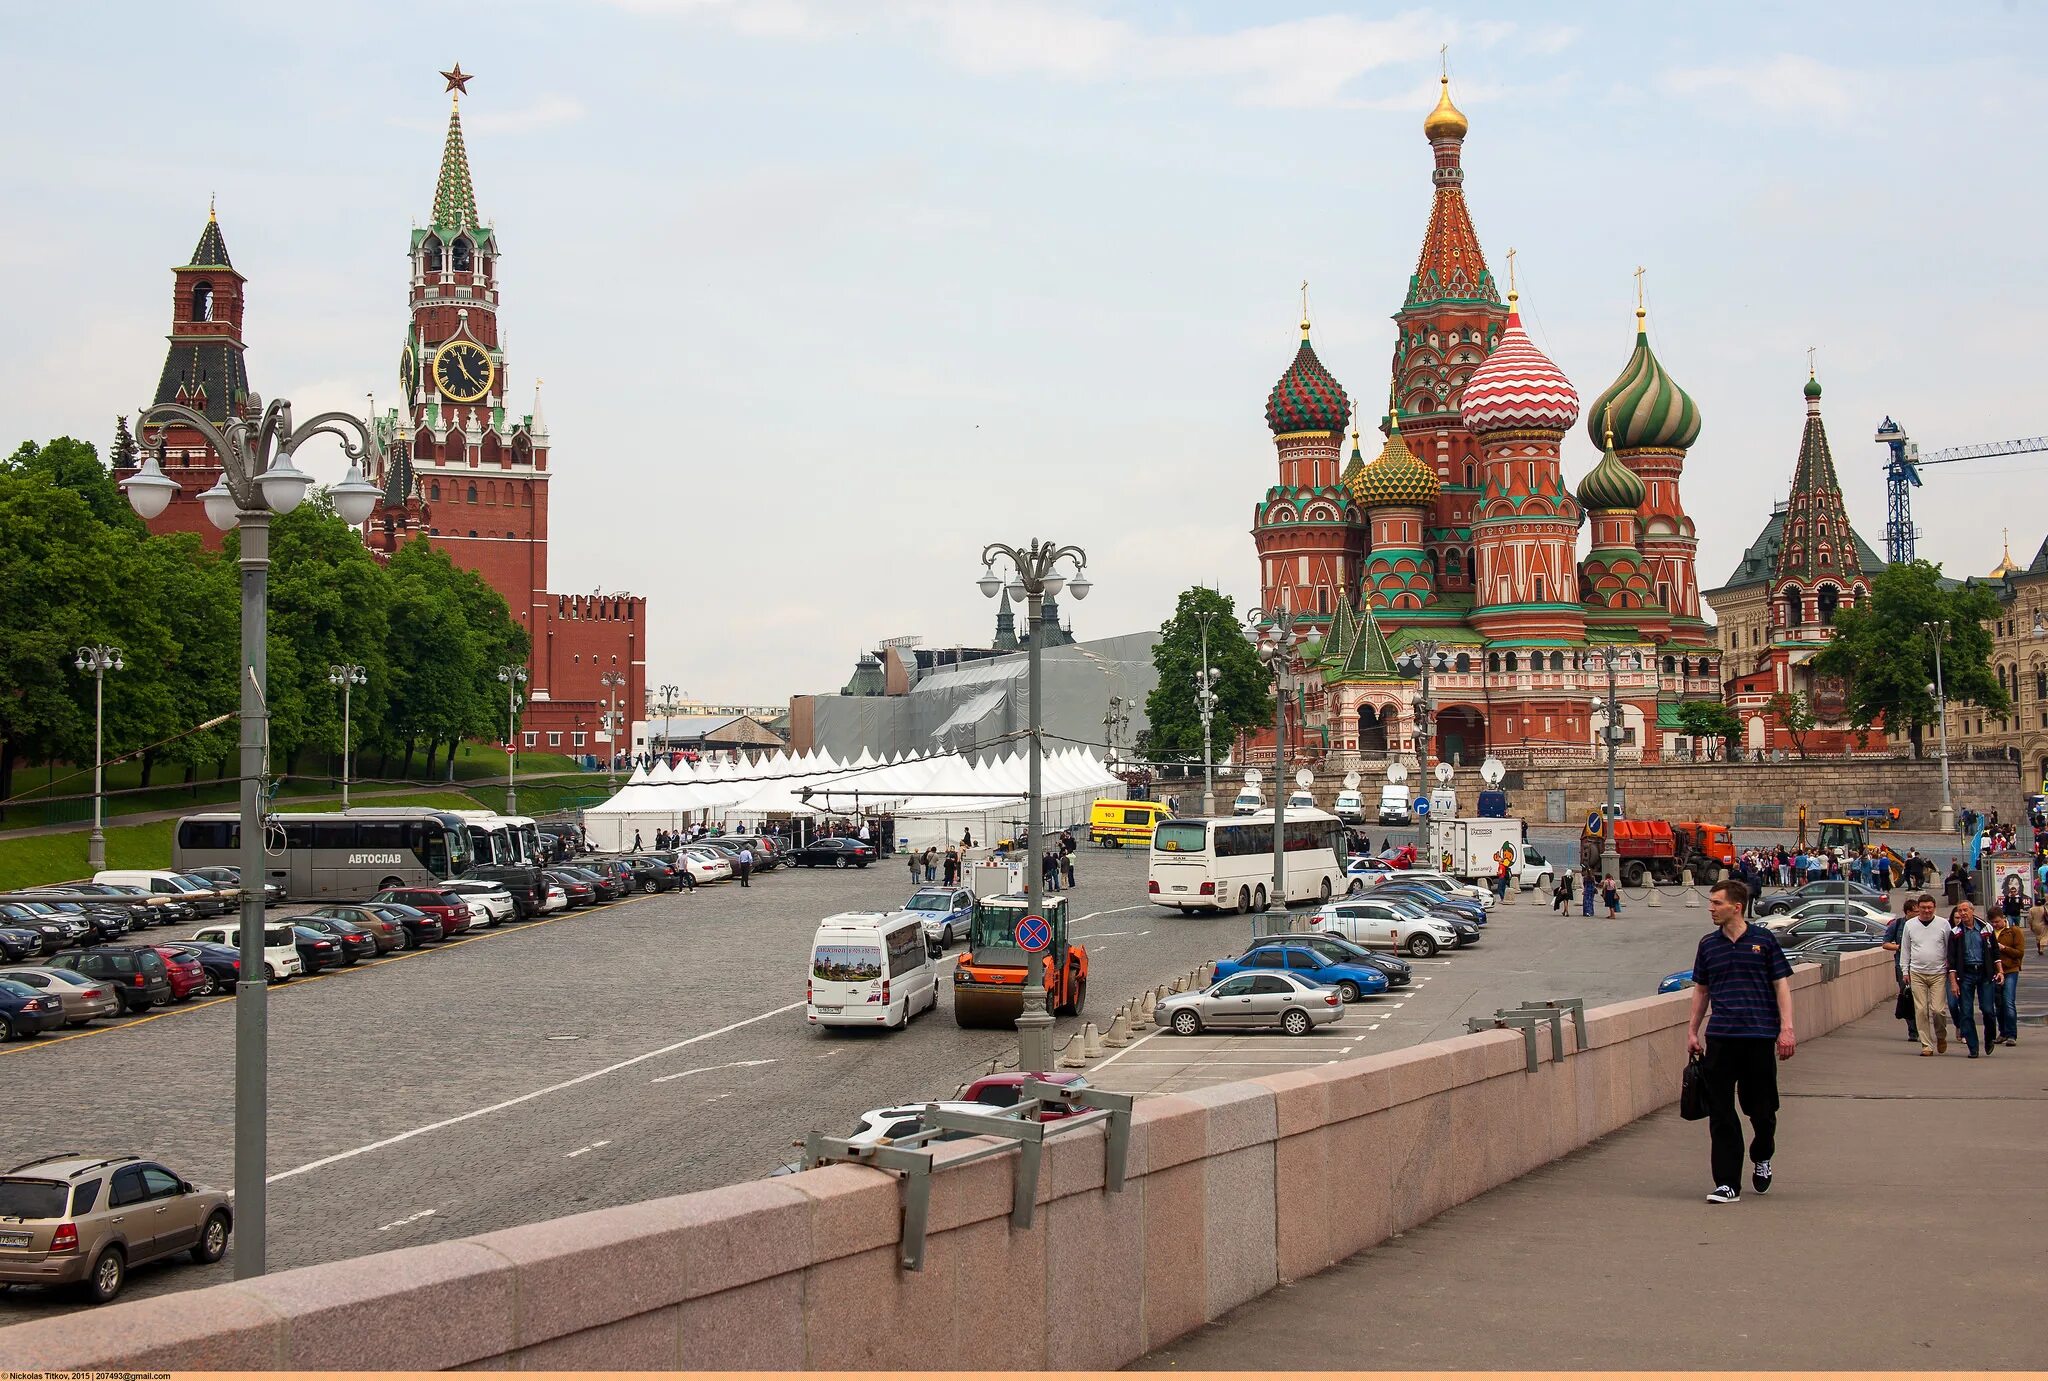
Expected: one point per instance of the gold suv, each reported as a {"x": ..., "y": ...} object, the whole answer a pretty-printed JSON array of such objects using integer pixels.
[{"x": 71, "y": 1219}]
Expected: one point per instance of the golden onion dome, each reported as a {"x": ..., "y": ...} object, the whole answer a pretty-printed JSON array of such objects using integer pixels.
[
  {"x": 1446, "y": 121},
  {"x": 1396, "y": 479}
]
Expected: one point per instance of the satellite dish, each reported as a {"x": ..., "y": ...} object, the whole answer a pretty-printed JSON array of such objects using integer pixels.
[
  {"x": 1492, "y": 771},
  {"x": 1351, "y": 781},
  {"x": 1304, "y": 779},
  {"x": 1252, "y": 776},
  {"x": 1397, "y": 772},
  {"x": 1444, "y": 772}
]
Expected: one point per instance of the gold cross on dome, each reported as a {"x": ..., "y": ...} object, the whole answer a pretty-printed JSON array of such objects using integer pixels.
[
  {"x": 1639, "y": 287},
  {"x": 1443, "y": 58},
  {"x": 1809, "y": 360},
  {"x": 1511, "y": 268}
]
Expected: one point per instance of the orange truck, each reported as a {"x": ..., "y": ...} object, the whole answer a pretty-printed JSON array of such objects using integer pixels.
[
  {"x": 1661, "y": 849},
  {"x": 988, "y": 982}
]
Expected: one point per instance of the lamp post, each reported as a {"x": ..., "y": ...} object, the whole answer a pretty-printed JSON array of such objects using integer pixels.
[
  {"x": 1937, "y": 632},
  {"x": 1610, "y": 860},
  {"x": 611, "y": 681},
  {"x": 99, "y": 659},
  {"x": 1205, "y": 701},
  {"x": 1034, "y": 574},
  {"x": 257, "y": 479},
  {"x": 347, "y": 675},
  {"x": 514, "y": 676},
  {"x": 1115, "y": 720},
  {"x": 1424, "y": 652},
  {"x": 1272, "y": 632}
]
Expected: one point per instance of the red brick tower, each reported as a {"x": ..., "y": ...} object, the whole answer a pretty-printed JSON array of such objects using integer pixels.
[
  {"x": 203, "y": 370},
  {"x": 1451, "y": 319},
  {"x": 1305, "y": 528}
]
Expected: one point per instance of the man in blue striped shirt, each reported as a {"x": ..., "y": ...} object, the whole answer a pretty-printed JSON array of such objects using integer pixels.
[{"x": 1742, "y": 976}]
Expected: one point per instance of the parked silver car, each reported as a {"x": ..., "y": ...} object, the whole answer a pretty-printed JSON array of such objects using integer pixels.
[
  {"x": 1248, "y": 1000},
  {"x": 82, "y": 999}
]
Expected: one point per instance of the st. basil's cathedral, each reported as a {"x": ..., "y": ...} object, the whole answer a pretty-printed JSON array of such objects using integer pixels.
[{"x": 1462, "y": 534}]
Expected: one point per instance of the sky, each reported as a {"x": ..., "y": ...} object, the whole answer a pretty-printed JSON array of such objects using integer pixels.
[{"x": 828, "y": 294}]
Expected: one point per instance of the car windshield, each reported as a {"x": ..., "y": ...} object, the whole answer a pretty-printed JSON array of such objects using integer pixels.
[
  {"x": 931, "y": 901},
  {"x": 32, "y": 1199}
]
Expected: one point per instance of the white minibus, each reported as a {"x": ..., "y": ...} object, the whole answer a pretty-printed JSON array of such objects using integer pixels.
[{"x": 870, "y": 968}]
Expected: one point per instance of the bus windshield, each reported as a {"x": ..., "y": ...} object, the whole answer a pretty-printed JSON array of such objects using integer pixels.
[{"x": 1181, "y": 837}]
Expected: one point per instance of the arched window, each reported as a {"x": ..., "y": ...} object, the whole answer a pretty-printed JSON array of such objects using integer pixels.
[
  {"x": 1514, "y": 662},
  {"x": 1468, "y": 474},
  {"x": 1829, "y": 598},
  {"x": 1557, "y": 661},
  {"x": 462, "y": 255},
  {"x": 472, "y": 532},
  {"x": 1670, "y": 665},
  {"x": 1464, "y": 662},
  {"x": 1454, "y": 565},
  {"x": 1493, "y": 661},
  {"x": 202, "y": 302},
  {"x": 1792, "y": 612},
  {"x": 472, "y": 498},
  {"x": 430, "y": 254},
  {"x": 2040, "y": 683},
  {"x": 434, "y": 491}
]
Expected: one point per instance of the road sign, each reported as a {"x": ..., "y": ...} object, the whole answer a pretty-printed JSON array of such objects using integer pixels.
[
  {"x": 1596, "y": 822},
  {"x": 1033, "y": 934},
  {"x": 1422, "y": 806}
]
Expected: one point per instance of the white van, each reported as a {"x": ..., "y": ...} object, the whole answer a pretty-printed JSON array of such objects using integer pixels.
[
  {"x": 281, "y": 960},
  {"x": 1248, "y": 802},
  {"x": 870, "y": 968},
  {"x": 1350, "y": 807},
  {"x": 161, "y": 882},
  {"x": 1394, "y": 805},
  {"x": 1301, "y": 800}
]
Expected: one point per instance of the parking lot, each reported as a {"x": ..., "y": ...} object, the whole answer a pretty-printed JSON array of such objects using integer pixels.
[{"x": 657, "y": 1045}]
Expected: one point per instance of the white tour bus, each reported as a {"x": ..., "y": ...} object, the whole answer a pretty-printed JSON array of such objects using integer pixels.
[{"x": 1227, "y": 864}]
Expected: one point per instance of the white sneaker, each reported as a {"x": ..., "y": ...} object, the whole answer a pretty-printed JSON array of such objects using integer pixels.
[{"x": 1724, "y": 1194}]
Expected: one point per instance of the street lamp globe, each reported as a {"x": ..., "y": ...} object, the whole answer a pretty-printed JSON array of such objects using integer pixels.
[
  {"x": 989, "y": 582},
  {"x": 355, "y": 497},
  {"x": 221, "y": 509},
  {"x": 285, "y": 485},
  {"x": 149, "y": 489},
  {"x": 1080, "y": 585},
  {"x": 1054, "y": 583},
  {"x": 1017, "y": 592}
]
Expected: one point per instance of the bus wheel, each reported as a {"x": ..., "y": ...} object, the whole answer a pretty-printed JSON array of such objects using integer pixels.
[
  {"x": 1326, "y": 891},
  {"x": 389, "y": 883},
  {"x": 1259, "y": 899},
  {"x": 1244, "y": 901}
]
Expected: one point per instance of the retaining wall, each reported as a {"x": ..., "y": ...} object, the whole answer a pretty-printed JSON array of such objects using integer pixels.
[{"x": 1231, "y": 1191}]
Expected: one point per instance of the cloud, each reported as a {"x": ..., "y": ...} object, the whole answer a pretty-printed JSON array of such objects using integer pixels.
[
  {"x": 1313, "y": 62},
  {"x": 1786, "y": 84}
]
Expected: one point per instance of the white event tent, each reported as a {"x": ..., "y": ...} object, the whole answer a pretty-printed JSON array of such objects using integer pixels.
[{"x": 931, "y": 799}]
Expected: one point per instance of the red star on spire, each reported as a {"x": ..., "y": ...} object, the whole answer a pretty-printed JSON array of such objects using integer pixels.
[{"x": 458, "y": 80}]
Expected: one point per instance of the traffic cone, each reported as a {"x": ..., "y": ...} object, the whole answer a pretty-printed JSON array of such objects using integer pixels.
[{"x": 1091, "y": 1042}]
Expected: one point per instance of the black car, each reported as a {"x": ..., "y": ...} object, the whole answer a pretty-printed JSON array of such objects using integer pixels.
[
  {"x": 356, "y": 942},
  {"x": 19, "y": 944},
  {"x": 1778, "y": 903},
  {"x": 420, "y": 928},
  {"x": 157, "y": 910},
  {"x": 1336, "y": 947},
  {"x": 139, "y": 914},
  {"x": 604, "y": 885},
  {"x": 136, "y": 973},
  {"x": 834, "y": 852},
  {"x": 519, "y": 879},
  {"x": 767, "y": 857},
  {"x": 230, "y": 876},
  {"x": 223, "y": 963},
  {"x": 318, "y": 949},
  {"x": 102, "y": 923},
  {"x": 651, "y": 874},
  {"x": 26, "y": 1011}
]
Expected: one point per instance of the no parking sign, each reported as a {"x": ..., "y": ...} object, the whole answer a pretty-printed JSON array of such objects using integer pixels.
[{"x": 1033, "y": 934}]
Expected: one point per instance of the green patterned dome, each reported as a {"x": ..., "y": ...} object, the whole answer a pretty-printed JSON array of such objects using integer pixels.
[
  {"x": 1396, "y": 478},
  {"x": 1308, "y": 397},
  {"x": 1650, "y": 410},
  {"x": 1354, "y": 467},
  {"x": 1611, "y": 485}
]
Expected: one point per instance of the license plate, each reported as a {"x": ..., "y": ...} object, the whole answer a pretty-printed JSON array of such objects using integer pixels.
[
  {"x": 1180, "y": 887},
  {"x": 13, "y": 1239},
  {"x": 828, "y": 1009}
]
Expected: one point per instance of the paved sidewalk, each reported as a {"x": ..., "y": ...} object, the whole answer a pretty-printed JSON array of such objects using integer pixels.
[{"x": 1908, "y": 1231}]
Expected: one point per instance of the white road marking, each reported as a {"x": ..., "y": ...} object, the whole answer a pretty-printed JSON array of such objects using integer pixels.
[
  {"x": 706, "y": 1069},
  {"x": 1114, "y": 911},
  {"x": 474, "y": 1113},
  {"x": 414, "y": 1218},
  {"x": 1129, "y": 1048},
  {"x": 584, "y": 1150}
]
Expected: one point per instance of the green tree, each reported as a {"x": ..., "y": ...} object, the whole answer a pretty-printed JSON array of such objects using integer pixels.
[
  {"x": 1710, "y": 719},
  {"x": 191, "y": 633},
  {"x": 1243, "y": 689},
  {"x": 122, "y": 454},
  {"x": 448, "y": 632},
  {"x": 71, "y": 464},
  {"x": 1884, "y": 651}
]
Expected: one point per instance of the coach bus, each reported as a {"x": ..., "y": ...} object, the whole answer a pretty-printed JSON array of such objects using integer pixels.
[
  {"x": 329, "y": 854},
  {"x": 1226, "y": 864}
]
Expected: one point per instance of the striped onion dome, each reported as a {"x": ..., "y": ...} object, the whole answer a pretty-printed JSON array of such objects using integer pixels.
[
  {"x": 1308, "y": 397},
  {"x": 1396, "y": 478},
  {"x": 1610, "y": 484},
  {"x": 1650, "y": 410},
  {"x": 1518, "y": 388}
]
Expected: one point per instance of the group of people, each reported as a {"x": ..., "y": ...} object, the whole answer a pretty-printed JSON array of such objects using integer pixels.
[
  {"x": 1056, "y": 865},
  {"x": 928, "y": 865},
  {"x": 1952, "y": 971},
  {"x": 1592, "y": 887}
]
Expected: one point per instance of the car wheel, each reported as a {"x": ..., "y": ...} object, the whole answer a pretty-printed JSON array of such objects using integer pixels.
[
  {"x": 861, "y": 864},
  {"x": 1357, "y": 886},
  {"x": 1186, "y": 1023},
  {"x": 109, "y": 1274},
  {"x": 839, "y": 862},
  {"x": 1296, "y": 1022},
  {"x": 1421, "y": 946},
  {"x": 1325, "y": 896},
  {"x": 650, "y": 886},
  {"x": 206, "y": 988},
  {"x": 946, "y": 936},
  {"x": 6, "y": 1029},
  {"x": 213, "y": 1240},
  {"x": 1348, "y": 991}
]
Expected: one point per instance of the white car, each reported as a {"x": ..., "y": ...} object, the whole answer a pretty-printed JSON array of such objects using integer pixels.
[
  {"x": 879, "y": 1125},
  {"x": 1382, "y": 925},
  {"x": 1533, "y": 870},
  {"x": 553, "y": 898},
  {"x": 1430, "y": 877},
  {"x": 281, "y": 961},
  {"x": 1826, "y": 906},
  {"x": 489, "y": 903},
  {"x": 706, "y": 865}
]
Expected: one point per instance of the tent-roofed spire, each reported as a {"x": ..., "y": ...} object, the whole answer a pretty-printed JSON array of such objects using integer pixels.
[
  {"x": 212, "y": 250},
  {"x": 454, "y": 195}
]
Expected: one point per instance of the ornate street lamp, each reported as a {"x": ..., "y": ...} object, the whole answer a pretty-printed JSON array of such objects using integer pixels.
[
  {"x": 99, "y": 659},
  {"x": 1205, "y": 701},
  {"x": 347, "y": 675},
  {"x": 514, "y": 676},
  {"x": 1272, "y": 632},
  {"x": 1422, "y": 657},
  {"x": 1610, "y": 858},
  {"x": 257, "y": 478},
  {"x": 1035, "y": 574},
  {"x": 612, "y": 681}
]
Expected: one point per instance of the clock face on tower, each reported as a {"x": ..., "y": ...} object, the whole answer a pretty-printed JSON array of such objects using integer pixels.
[
  {"x": 463, "y": 371},
  {"x": 408, "y": 374}
]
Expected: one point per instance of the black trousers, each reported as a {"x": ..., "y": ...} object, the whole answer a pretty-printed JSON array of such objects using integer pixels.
[
  {"x": 746, "y": 874},
  {"x": 1744, "y": 1071}
]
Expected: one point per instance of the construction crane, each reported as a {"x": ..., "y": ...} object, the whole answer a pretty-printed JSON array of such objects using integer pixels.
[{"x": 1902, "y": 477}]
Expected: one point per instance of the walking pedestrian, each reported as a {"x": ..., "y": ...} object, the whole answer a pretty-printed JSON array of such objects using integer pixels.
[
  {"x": 1561, "y": 895},
  {"x": 2012, "y": 953},
  {"x": 1742, "y": 992},
  {"x": 1067, "y": 867},
  {"x": 914, "y": 871},
  {"x": 746, "y": 865},
  {"x": 1610, "y": 893},
  {"x": 1973, "y": 973},
  {"x": 636, "y": 841},
  {"x": 2037, "y": 921},
  {"x": 1501, "y": 868},
  {"x": 1903, "y": 1007},
  {"x": 1923, "y": 954}
]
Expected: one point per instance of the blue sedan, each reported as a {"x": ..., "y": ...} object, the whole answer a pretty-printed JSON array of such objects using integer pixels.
[
  {"x": 26, "y": 1011},
  {"x": 1675, "y": 982},
  {"x": 1351, "y": 980},
  {"x": 1423, "y": 892}
]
